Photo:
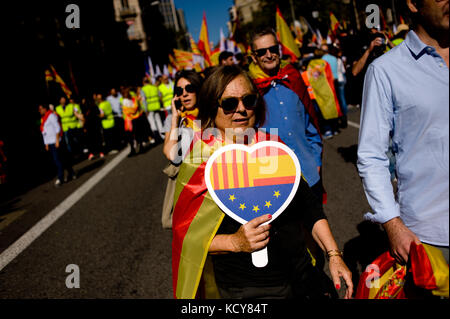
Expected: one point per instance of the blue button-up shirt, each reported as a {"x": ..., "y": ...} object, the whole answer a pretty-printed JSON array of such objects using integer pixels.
[
  {"x": 286, "y": 113},
  {"x": 406, "y": 95}
]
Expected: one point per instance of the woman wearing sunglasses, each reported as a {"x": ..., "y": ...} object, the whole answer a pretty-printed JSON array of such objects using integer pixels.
[
  {"x": 211, "y": 254},
  {"x": 179, "y": 129},
  {"x": 179, "y": 125}
]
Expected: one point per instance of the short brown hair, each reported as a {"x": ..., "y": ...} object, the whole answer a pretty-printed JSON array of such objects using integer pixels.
[
  {"x": 213, "y": 88},
  {"x": 262, "y": 32}
]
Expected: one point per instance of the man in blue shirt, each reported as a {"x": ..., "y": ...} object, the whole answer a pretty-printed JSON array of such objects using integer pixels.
[
  {"x": 406, "y": 95},
  {"x": 286, "y": 111}
]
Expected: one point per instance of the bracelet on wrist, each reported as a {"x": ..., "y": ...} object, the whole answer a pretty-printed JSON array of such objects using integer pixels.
[{"x": 333, "y": 253}]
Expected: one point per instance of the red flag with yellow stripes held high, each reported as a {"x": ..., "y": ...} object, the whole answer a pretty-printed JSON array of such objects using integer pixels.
[
  {"x": 287, "y": 41},
  {"x": 203, "y": 42},
  {"x": 59, "y": 80}
]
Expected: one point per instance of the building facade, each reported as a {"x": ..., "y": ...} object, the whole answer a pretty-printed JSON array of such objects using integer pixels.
[{"x": 129, "y": 11}]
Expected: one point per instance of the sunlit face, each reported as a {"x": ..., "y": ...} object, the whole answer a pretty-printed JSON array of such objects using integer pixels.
[
  {"x": 241, "y": 118},
  {"x": 188, "y": 100},
  {"x": 269, "y": 62}
]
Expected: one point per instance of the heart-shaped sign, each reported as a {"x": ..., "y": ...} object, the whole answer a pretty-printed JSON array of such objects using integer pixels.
[{"x": 248, "y": 182}]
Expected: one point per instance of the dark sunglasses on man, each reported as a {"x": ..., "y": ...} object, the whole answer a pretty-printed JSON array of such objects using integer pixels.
[
  {"x": 180, "y": 90},
  {"x": 261, "y": 52},
  {"x": 230, "y": 104}
]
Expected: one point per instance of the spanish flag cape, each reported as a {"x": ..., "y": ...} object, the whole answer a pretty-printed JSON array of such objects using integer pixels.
[
  {"x": 289, "y": 77},
  {"x": 196, "y": 219},
  {"x": 131, "y": 111},
  {"x": 320, "y": 78},
  {"x": 384, "y": 279}
]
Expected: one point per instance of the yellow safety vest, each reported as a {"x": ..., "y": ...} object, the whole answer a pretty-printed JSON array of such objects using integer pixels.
[
  {"x": 68, "y": 118},
  {"x": 166, "y": 94},
  {"x": 152, "y": 97},
  {"x": 108, "y": 120},
  {"x": 80, "y": 122}
]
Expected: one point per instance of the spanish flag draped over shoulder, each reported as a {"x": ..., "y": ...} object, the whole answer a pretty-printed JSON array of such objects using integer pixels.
[
  {"x": 385, "y": 279},
  {"x": 203, "y": 42},
  {"x": 290, "y": 77},
  {"x": 285, "y": 37},
  {"x": 320, "y": 78},
  {"x": 196, "y": 219}
]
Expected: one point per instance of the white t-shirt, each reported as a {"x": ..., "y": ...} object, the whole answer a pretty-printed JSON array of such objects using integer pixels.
[
  {"x": 185, "y": 137},
  {"x": 51, "y": 129}
]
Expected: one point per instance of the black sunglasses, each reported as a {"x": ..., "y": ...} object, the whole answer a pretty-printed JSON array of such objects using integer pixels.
[
  {"x": 230, "y": 104},
  {"x": 261, "y": 52},
  {"x": 179, "y": 90}
]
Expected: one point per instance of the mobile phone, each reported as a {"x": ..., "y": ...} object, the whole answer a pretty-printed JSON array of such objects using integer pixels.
[{"x": 177, "y": 104}]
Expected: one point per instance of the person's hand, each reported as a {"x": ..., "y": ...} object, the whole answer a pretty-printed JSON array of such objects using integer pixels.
[
  {"x": 376, "y": 43},
  {"x": 57, "y": 143},
  {"x": 338, "y": 269},
  {"x": 251, "y": 237},
  {"x": 400, "y": 239},
  {"x": 46, "y": 147},
  {"x": 176, "y": 114}
]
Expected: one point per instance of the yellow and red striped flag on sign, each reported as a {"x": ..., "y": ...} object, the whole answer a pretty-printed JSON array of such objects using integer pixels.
[
  {"x": 59, "y": 80},
  {"x": 285, "y": 37},
  {"x": 203, "y": 42}
]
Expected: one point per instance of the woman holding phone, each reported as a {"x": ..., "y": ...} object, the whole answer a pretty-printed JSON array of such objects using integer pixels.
[
  {"x": 179, "y": 125},
  {"x": 179, "y": 130}
]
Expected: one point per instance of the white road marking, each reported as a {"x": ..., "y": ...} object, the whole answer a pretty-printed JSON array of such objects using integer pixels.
[
  {"x": 353, "y": 124},
  {"x": 25, "y": 240}
]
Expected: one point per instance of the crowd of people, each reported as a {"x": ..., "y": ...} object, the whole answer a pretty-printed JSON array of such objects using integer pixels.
[
  {"x": 404, "y": 112},
  {"x": 104, "y": 124}
]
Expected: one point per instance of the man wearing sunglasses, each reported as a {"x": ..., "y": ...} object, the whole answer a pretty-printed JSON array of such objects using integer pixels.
[{"x": 289, "y": 108}]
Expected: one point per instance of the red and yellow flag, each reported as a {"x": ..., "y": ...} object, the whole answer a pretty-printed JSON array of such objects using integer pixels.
[
  {"x": 194, "y": 47},
  {"x": 54, "y": 76},
  {"x": 385, "y": 279},
  {"x": 203, "y": 42},
  {"x": 287, "y": 41},
  {"x": 184, "y": 59},
  {"x": 334, "y": 23}
]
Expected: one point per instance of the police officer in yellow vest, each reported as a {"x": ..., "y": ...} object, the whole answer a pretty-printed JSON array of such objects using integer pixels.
[
  {"x": 152, "y": 106},
  {"x": 166, "y": 91},
  {"x": 107, "y": 116},
  {"x": 70, "y": 116}
]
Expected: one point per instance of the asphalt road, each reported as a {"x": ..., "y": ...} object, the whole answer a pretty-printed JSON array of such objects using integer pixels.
[{"x": 114, "y": 234}]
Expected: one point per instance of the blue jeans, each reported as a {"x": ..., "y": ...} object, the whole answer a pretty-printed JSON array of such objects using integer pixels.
[
  {"x": 340, "y": 91},
  {"x": 61, "y": 161}
]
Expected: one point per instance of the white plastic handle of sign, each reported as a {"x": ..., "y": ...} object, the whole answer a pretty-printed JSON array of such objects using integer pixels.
[{"x": 260, "y": 258}]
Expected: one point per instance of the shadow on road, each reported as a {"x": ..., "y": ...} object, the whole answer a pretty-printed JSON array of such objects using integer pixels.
[
  {"x": 361, "y": 251},
  {"x": 349, "y": 154}
]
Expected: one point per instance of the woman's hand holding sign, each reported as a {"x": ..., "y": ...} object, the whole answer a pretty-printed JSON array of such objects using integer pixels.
[{"x": 251, "y": 236}]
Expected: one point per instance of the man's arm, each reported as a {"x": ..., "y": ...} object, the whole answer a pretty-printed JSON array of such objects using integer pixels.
[
  {"x": 373, "y": 163},
  {"x": 358, "y": 66}
]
